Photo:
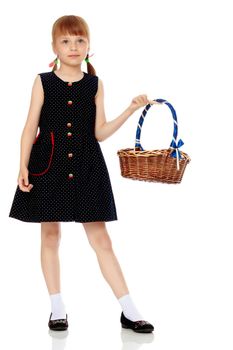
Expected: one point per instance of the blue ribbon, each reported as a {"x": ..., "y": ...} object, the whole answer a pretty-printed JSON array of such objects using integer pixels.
[{"x": 176, "y": 146}]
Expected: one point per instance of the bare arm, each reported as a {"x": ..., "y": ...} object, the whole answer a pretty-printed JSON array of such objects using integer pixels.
[
  {"x": 104, "y": 129},
  {"x": 29, "y": 133},
  {"x": 31, "y": 125}
]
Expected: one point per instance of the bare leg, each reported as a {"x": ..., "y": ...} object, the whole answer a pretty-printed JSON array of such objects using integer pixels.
[
  {"x": 101, "y": 243},
  {"x": 50, "y": 240}
]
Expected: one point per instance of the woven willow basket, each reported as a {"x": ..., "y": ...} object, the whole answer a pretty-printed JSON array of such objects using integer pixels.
[{"x": 165, "y": 165}]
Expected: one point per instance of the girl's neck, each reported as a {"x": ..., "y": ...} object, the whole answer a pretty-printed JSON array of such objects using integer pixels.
[{"x": 71, "y": 73}]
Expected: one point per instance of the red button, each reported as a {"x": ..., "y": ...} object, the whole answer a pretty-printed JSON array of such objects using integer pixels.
[
  {"x": 69, "y": 134},
  {"x": 71, "y": 176},
  {"x": 69, "y": 84},
  {"x": 70, "y": 102}
]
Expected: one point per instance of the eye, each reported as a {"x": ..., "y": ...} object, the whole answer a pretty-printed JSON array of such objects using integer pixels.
[{"x": 64, "y": 40}]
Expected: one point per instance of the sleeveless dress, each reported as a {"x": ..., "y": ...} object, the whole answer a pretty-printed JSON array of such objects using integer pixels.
[{"x": 66, "y": 164}]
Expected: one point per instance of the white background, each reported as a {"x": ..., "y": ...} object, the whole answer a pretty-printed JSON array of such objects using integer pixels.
[{"x": 173, "y": 242}]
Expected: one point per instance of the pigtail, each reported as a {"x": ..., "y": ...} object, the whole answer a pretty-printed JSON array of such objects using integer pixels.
[
  {"x": 90, "y": 68},
  {"x": 54, "y": 64}
]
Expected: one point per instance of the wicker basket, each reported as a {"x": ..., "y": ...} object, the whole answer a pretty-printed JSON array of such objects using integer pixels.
[{"x": 166, "y": 165}]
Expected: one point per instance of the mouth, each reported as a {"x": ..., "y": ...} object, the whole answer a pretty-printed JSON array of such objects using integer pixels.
[{"x": 73, "y": 55}]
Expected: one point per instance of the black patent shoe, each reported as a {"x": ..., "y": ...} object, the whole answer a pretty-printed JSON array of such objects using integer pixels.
[
  {"x": 60, "y": 324},
  {"x": 140, "y": 326}
]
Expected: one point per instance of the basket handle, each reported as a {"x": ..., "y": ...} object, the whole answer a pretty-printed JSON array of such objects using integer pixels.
[{"x": 174, "y": 144}]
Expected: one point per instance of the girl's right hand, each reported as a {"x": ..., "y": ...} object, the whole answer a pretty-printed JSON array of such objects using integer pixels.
[
  {"x": 140, "y": 101},
  {"x": 23, "y": 180}
]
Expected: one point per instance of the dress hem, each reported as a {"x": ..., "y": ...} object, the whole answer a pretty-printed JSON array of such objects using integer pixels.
[{"x": 68, "y": 220}]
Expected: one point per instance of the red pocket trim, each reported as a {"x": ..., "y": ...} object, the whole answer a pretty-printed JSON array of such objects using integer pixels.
[{"x": 51, "y": 156}]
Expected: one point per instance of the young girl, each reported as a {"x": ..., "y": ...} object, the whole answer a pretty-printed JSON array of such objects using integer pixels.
[{"x": 63, "y": 175}]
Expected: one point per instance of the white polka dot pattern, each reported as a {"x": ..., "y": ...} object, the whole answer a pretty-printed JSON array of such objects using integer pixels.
[{"x": 66, "y": 165}]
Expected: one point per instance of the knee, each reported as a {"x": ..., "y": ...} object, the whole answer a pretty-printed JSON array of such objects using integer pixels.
[
  {"x": 50, "y": 234},
  {"x": 100, "y": 241},
  {"x": 97, "y": 235}
]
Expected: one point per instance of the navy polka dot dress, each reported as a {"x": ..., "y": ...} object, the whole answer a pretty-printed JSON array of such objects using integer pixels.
[{"x": 66, "y": 164}]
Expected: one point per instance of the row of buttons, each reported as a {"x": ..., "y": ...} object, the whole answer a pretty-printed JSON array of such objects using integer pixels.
[{"x": 69, "y": 134}]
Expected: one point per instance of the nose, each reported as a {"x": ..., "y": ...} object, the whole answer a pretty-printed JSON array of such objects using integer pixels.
[{"x": 73, "y": 46}]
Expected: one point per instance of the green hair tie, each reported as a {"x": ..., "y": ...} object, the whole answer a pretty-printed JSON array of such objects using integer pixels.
[{"x": 87, "y": 59}]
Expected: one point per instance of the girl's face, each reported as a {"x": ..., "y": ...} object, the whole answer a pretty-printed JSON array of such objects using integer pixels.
[{"x": 71, "y": 49}]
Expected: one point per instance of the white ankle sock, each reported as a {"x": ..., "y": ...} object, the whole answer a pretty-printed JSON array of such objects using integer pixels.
[
  {"x": 129, "y": 309},
  {"x": 57, "y": 306}
]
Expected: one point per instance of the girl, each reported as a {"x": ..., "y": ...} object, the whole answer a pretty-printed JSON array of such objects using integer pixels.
[{"x": 63, "y": 175}]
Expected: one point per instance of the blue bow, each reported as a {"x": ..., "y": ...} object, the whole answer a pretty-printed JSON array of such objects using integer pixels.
[{"x": 176, "y": 146}]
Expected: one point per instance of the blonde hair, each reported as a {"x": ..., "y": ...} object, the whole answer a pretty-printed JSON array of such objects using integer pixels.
[{"x": 73, "y": 25}]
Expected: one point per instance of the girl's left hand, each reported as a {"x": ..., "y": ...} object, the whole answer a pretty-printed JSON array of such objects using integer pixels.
[{"x": 140, "y": 101}]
